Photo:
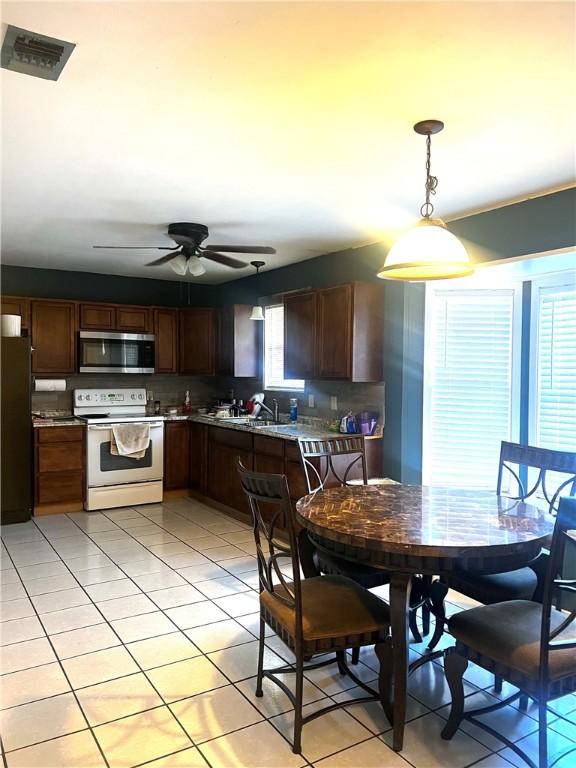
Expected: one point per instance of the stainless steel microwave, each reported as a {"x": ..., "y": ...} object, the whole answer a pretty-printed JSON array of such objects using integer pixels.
[{"x": 103, "y": 352}]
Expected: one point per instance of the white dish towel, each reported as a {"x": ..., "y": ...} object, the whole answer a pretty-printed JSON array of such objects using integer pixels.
[{"x": 130, "y": 440}]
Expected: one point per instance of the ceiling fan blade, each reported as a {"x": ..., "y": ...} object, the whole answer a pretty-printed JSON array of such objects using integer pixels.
[
  {"x": 161, "y": 260},
  {"x": 220, "y": 258},
  {"x": 139, "y": 247},
  {"x": 241, "y": 248}
]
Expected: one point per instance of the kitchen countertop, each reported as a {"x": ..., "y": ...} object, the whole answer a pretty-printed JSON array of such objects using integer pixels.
[{"x": 285, "y": 431}]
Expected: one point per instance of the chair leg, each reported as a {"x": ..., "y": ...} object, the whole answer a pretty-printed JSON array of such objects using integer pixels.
[
  {"x": 497, "y": 684},
  {"x": 426, "y": 584},
  {"x": 385, "y": 655},
  {"x": 297, "y": 743},
  {"x": 260, "y": 658},
  {"x": 542, "y": 734},
  {"x": 413, "y": 624},
  {"x": 523, "y": 703},
  {"x": 454, "y": 668},
  {"x": 437, "y": 591},
  {"x": 340, "y": 661},
  {"x": 355, "y": 655}
]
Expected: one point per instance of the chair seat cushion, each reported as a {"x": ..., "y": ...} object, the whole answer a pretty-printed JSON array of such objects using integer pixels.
[
  {"x": 332, "y": 607},
  {"x": 362, "y": 574},
  {"x": 509, "y": 633},
  {"x": 495, "y": 587}
]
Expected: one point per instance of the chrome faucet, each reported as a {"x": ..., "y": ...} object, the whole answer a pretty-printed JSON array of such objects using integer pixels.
[{"x": 274, "y": 413}]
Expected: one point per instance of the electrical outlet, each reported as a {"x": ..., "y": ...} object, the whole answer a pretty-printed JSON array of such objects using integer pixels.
[
  {"x": 333, "y": 403},
  {"x": 311, "y": 401}
]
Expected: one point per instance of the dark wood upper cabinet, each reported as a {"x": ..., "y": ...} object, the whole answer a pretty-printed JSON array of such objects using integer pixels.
[
  {"x": 176, "y": 454},
  {"x": 237, "y": 342},
  {"x": 334, "y": 337},
  {"x": 53, "y": 331},
  {"x": 133, "y": 319},
  {"x": 166, "y": 340},
  {"x": 17, "y": 305},
  {"x": 97, "y": 317},
  {"x": 300, "y": 335},
  {"x": 114, "y": 317},
  {"x": 334, "y": 333},
  {"x": 198, "y": 341}
]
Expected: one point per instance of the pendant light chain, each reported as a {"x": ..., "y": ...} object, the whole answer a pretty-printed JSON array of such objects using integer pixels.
[{"x": 431, "y": 183}]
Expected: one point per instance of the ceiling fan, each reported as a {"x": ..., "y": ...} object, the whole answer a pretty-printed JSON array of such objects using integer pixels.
[{"x": 188, "y": 252}]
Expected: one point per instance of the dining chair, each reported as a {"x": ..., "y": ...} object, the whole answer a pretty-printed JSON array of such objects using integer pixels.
[
  {"x": 531, "y": 645},
  {"x": 341, "y": 460},
  {"x": 318, "y": 615},
  {"x": 515, "y": 463}
]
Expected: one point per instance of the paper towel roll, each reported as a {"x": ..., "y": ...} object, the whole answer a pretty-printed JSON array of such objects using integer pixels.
[
  {"x": 11, "y": 325},
  {"x": 50, "y": 385}
]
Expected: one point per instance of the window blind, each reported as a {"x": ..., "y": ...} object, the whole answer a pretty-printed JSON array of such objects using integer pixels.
[
  {"x": 468, "y": 385},
  {"x": 274, "y": 351},
  {"x": 555, "y": 416}
]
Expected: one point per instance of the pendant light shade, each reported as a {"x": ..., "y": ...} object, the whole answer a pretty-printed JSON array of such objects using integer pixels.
[
  {"x": 428, "y": 251},
  {"x": 257, "y": 311}
]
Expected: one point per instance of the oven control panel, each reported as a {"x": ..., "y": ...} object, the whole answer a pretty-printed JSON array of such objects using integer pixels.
[{"x": 111, "y": 397}]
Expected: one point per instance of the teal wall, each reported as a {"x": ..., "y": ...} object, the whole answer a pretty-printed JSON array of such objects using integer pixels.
[
  {"x": 542, "y": 224},
  {"x": 89, "y": 286}
]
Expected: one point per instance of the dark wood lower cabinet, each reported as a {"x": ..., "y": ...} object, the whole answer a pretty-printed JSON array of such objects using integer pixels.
[
  {"x": 176, "y": 455},
  {"x": 224, "y": 447},
  {"x": 59, "y": 468}
]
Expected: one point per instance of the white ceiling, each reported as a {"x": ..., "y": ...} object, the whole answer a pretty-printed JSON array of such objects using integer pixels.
[{"x": 283, "y": 124}]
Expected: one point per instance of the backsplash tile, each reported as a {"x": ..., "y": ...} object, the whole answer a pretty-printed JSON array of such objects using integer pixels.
[{"x": 204, "y": 391}]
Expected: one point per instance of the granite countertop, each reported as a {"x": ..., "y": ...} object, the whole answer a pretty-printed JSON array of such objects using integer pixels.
[{"x": 287, "y": 431}]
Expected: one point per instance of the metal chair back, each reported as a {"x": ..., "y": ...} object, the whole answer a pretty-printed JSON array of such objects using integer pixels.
[
  {"x": 323, "y": 460},
  {"x": 271, "y": 547},
  {"x": 545, "y": 460},
  {"x": 560, "y": 585}
]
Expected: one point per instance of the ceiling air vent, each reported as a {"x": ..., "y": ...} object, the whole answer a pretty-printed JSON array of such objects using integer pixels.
[{"x": 33, "y": 54}]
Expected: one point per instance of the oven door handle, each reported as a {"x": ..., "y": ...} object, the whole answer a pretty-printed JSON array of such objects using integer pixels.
[{"x": 108, "y": 427}]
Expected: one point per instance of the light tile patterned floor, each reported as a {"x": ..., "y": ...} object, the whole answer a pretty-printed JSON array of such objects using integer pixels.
[{"x": 128, "y": 639}]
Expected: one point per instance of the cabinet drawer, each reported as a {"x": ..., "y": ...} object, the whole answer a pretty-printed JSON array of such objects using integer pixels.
[
  {"x": 269, "y": 446},
  {"x": 60, "y": 486},
  {"x": 230, "y": 438},
  {"x": 60, "y": 434},
  {"x": 55, "y": 457}
]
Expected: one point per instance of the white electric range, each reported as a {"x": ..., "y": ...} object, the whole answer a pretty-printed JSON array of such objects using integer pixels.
[{"x": 119, "y": 481}]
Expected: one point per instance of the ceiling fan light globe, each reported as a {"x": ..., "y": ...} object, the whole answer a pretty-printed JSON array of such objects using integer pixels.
[
  {"x": 195, "y": 267},
  {"x": 257, "y": 313},
  {"x": 179, "y": 264},
  {"x": 428, "y": 251}
]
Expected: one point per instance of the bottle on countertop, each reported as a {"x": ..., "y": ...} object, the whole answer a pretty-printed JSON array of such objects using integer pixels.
[
  {"x": 157, "y": 406},
  {"x": 187, "y": 405},
  {"x": 149, "y": 403},
  {"x": 293, "y": 409}
]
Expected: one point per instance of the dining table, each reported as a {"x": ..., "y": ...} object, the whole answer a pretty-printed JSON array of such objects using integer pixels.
[{"x": 430, "y": 531}]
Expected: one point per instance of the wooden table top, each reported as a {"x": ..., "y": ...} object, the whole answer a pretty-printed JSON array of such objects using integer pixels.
[{"x": 421, "y": 520}]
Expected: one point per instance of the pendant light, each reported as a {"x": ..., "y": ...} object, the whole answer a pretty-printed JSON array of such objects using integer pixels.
[
  {"x": 428, "y": 251},
  {"x": 257, "y": 312}
]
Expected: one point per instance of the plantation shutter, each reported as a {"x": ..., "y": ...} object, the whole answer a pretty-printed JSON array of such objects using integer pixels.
[
  {"x": 468, "y": 385},
  {"x": 555, "y": 417}
]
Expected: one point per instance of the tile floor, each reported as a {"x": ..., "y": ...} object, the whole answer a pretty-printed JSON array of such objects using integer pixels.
[{"x": 128, "y": 638}]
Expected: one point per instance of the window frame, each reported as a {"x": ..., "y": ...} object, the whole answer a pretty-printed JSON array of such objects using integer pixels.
[{"x": 277, "y": 387}]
